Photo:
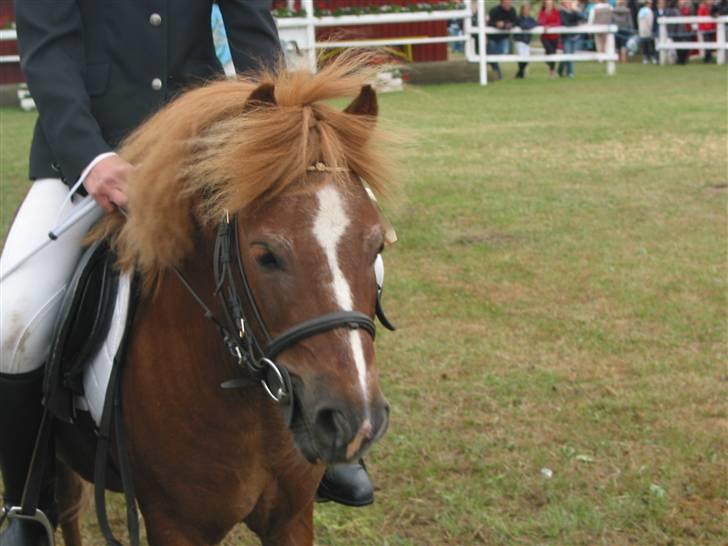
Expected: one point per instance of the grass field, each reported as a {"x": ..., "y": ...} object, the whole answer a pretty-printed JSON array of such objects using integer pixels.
[{"x": 560, "y": 292}]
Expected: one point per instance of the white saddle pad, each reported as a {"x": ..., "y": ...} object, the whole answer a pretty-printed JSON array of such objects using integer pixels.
[{"x": 96, "y": 376}]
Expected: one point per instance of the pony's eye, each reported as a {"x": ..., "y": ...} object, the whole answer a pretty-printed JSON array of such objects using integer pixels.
[{"x": 267, "y": 260}]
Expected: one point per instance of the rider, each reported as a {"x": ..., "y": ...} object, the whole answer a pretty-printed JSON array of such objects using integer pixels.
[{"x": 96, "y": 70}]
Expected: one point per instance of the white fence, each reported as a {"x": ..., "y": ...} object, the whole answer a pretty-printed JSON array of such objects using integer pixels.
[
  {"x": 8, "y": 35},
  {"x": 301, "y": 31},
  {"x": 664, "y": 44},
  {"x": 610, "y": 54}
]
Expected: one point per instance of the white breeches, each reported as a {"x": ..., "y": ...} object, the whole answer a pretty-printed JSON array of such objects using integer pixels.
[{"x": 30, "y": 297}]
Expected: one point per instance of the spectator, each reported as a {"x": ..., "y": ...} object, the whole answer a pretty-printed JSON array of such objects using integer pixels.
[
  {"x": 570, "y": 17},
  {"x": 707, "y": 30},
  {"x": 586, "y": 41},
  {"x": 601, "y": 14},
  {"x": 646, "y": 19},
  {"x": 676, "y": 31},
  {"x": 683, "y": 32},
  {"x": 660, "y": 11},
  {"x": 522, "y": 41},
  {"x": 455, "y": 28},
  {"x": 502, "y": 17},
  {"x": 720, "y": 9},
  {"x": 474, "y": 23},
  {"x": 549, "y": 17},
  {"x": 622, "y": 17},
  {"x": 634, "y": 8},
  {"x": 586, "y": 7}
]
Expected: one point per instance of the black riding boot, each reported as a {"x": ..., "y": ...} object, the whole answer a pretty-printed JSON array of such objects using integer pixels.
[
  {"x": 347, "y": 484},
  {"x": 20, "y": 415}
]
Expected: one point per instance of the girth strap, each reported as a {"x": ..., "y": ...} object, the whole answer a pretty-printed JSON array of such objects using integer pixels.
[{"x": 340, "y": 319}]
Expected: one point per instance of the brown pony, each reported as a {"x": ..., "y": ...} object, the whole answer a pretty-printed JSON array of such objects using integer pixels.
[{"x": 204, "y": 458}]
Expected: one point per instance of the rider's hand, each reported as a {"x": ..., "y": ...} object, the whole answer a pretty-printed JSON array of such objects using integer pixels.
[{"x": 106, "y": 182}]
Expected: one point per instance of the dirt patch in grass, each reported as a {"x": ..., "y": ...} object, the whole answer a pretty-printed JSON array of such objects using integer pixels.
[{"x": 717, "y": 189}]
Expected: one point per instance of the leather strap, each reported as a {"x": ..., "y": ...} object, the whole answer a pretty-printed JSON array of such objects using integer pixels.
[
  {"x": 349, "y": 319},
  {"x": 102, "y": 459},
  {"x": 112, "y": 418},
  {"x": 42, "y": 453},
  {"x": 132, "y": 516},
  {"x": 381, "y": 315}
]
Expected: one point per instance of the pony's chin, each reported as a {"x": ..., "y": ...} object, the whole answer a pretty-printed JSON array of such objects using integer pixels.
[{"x": 314, "y": 455}]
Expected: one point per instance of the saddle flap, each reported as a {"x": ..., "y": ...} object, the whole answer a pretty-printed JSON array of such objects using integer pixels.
[{"x": 82, "y": 322}]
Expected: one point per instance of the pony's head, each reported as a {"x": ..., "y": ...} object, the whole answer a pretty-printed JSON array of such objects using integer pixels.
[{"x": 292, "y": 170}]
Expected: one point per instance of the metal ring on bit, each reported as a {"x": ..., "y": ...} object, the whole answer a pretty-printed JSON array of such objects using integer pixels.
[{"x": 278, "y": 397}]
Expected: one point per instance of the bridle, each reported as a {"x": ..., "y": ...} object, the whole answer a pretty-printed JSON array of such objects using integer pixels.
[{"x": 242, "y": 319}]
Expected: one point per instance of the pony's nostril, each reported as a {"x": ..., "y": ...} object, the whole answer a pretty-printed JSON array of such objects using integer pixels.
[{"x": 333, "y": 426}]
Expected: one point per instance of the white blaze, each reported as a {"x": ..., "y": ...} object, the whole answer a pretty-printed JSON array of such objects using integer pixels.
[{"x": 328, "y": 228}]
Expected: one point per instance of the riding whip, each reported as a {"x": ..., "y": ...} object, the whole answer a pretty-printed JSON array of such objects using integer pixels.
[{"x": 87, "y": 208}]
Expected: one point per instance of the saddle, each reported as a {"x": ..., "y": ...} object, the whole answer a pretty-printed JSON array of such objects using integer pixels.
[
  {"x": 81, "y": 328},
  {"x": 83, "y": 373}
]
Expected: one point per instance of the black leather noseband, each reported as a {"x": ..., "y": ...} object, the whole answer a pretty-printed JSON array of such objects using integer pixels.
[{"x": 319, "y": 325}]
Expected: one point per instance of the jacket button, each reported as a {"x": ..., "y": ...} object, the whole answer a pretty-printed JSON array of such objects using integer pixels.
[
  {"x": 55, "y": 167},
  {"x": 156, "y": 84},
  {"x": 155, "y": 19}
]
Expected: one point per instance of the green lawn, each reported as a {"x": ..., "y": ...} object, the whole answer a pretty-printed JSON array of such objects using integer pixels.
[{"x": 560, "y": 292}]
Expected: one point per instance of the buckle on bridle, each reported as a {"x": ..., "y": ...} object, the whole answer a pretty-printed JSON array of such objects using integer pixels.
[
  {"x": 238, "y": 354},
  {"x": 233, "y": 348}
]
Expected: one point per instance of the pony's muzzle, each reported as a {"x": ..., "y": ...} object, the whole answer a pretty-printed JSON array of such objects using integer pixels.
[{"x": 343, "y": 435}]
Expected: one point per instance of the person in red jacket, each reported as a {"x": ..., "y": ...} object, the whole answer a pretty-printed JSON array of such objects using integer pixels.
[
  {"x": 707, "y": 30},
  {"x": 549, "y": 17}
]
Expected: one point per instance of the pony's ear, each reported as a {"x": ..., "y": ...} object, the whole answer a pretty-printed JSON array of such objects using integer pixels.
[
  {"x": 263, "y": 95},
  {"x": 365, "y": 104}
]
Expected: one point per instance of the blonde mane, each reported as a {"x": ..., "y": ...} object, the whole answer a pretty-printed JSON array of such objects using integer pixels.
[{"x": 211, "y": 150}]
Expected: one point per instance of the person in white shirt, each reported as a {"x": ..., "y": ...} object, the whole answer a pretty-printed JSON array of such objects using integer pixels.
[{"x": 645, "y": 21}]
